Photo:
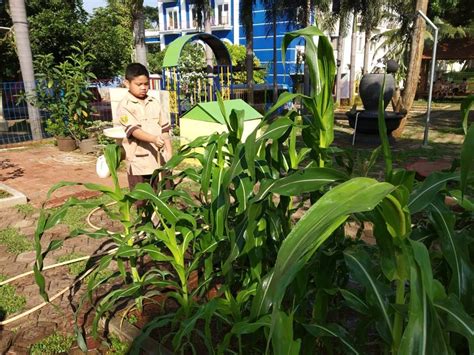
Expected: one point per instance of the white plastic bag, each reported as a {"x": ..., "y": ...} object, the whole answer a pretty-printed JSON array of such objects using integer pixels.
[{"x": 101, "y": 167}]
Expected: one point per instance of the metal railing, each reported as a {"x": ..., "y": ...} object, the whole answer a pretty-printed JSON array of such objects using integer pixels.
[{"x": 14, "y": 120}]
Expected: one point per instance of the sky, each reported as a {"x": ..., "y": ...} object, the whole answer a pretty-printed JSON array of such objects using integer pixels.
[{"x": 89, "y": 5}]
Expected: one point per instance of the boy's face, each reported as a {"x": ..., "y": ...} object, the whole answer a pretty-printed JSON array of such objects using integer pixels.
[{"x": 138, "y": 86}]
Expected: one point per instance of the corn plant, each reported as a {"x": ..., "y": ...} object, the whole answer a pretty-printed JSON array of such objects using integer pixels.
[{"x": 285, "y": 284}]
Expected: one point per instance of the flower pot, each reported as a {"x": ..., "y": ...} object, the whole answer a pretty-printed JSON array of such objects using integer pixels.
[
  {"x": 66, "y": 144},
  {"x": 88, "y": 145}
]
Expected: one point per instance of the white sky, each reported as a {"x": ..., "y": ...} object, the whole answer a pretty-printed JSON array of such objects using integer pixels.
[{"x": 89, "y": 5}]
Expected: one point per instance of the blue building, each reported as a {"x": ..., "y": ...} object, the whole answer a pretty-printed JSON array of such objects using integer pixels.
[{"x": 176, "y": 19}]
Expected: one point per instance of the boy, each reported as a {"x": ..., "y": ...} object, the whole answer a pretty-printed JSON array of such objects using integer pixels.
[{"x": 147, "y": 144}]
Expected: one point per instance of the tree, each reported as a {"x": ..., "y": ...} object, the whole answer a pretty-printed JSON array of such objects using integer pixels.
[
  {"x": 414, "y": 65},
  {"x": 135, "y": 19},
  {"x": 55, "y": 25},
  {"x": 246, "y": 17},
  {"x": 22, "y": 40},
  {"x": 9, "y": 66},
  {"x": 239, "y": 56},
  {"x": 109, "y": 42}
]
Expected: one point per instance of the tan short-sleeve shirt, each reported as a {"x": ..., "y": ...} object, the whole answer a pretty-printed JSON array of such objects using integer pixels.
[{"x": 142, "y": 158}]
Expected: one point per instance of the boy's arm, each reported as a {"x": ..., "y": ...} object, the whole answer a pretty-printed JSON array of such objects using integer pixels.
[
  {"x": 143, "y": 136},
  {"x": 168, "y": 151}
]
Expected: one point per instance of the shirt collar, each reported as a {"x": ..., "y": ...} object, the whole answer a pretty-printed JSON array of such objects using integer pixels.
[{"x": 133, "y": 99}]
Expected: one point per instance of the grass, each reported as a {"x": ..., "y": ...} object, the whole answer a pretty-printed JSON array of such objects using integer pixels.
[
  {"x": 4, "y": 194},
  {"x": 15, "y": 242},
  {"x": 118, "y": 347},
  {"x": 76, "y": 215},
  {"x": 56, "y": 343},
  {"x": 10, "y": 302},
  {"x": 76, "y": 269},
  {"x": 26, "y": 209}
]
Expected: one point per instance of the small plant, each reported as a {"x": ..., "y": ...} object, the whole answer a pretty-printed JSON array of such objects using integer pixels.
[
  {"x": 10, "y": 302},
  {"x": 26, "y": 209},
  {"x": 132, "y": 319},
  {"x": 63, "y": 92},
  {"x": 118, "y": 347},
  {"x": 56, "y": 343},
  {"x": 15, "y": 242}
]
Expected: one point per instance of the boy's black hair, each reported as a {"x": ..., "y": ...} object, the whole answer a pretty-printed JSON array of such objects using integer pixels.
[{"x": 135, "y": 69}]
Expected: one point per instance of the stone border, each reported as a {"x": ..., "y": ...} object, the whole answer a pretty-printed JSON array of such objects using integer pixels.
[
  {"x": 127, "y": 333},
  {"x": 16, "y": 198}
]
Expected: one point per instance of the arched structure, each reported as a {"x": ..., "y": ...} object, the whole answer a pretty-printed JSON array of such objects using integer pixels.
[{"x": 205, "y": 89}]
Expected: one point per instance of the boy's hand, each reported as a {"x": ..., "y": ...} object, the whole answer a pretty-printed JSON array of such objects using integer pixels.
[{"x": 159, "y": 142}]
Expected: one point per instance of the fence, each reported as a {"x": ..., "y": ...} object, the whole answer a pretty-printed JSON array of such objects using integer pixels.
[{"x": 14, "y": 118}]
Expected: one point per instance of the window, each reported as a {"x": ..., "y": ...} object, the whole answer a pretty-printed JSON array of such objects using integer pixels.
[
  {"x": 192, "y": 17},
  {"x": 172, "y": 18},
  {"x": 223, "y": 17}
]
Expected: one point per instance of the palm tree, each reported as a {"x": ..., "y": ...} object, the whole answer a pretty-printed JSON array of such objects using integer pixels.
[
  {"x": 414, "y": 65},
  {"x": 203, "y": 18},
  {"x": 246, "y": 17},
  {"x": 22, "y": 40},
  {"x": 135, "y": 13},
  {"x": 416, "y": 52}
]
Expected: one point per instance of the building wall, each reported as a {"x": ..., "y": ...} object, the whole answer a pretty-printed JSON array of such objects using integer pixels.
[{"x": 263, "y": 38}]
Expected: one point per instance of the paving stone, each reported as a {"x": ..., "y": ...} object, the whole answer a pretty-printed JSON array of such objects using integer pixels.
[
  {"x": 23, "y": 223},
  {"x": 17, "y": 350},
  {"x": 29, "y": 231},
  {"x": 26, "y": 257},
  {"x": 31, "y": 335},
  {"x": 6, "y": 338}
]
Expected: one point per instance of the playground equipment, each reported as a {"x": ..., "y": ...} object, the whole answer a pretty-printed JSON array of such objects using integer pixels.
[{"x": 219, "y": 79}]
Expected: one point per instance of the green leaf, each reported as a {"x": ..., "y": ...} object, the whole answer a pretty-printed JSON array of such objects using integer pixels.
[
  {"x": 458, "y": 320},
  {"x": 467, "y": 158},
  {"x": 328, "y": 213},
  {"x": 283, "y": 99},
  {"x": 387, "y": 154},
  {"x": 455, "y": 250},
  {"x": 466, "y": 105},
  {"x": 307, "y": 180},
  {"x": 144, "y": 191},
  {"x": 276, "y": 129},
  {"x": 209, "y": 156},
  {"x": 358, "y": 262},
  {"x": 331, "y": 330},
  {"x": 423, "y": 333},
  {"x": 355, "y": 302},
  {"x": 424, "y": 194},
  {"x": 282, "y": 337}
]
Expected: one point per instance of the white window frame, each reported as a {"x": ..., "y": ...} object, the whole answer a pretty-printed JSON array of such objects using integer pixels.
[
  {"x": 221, "y": 4},
  {"x": 176, "y": 22},
  {"x": 192, "y": 22}
]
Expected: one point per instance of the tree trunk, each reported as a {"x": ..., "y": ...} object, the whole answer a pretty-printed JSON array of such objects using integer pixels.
[
  {"x": 368, "y": 34},
  {"x": 306, "y": 79},
  {"x": 209, "y": 54},
  {"x": 414, "y": 65},
  {"x": 139, "y": 36},
  {"x": 22, "y": 40},
  {"x": 275, "y": 58},
  {"x": 352, "y": 73},
  {"x": 340, "y": 59},
  {"x": 249, "y": 62}
]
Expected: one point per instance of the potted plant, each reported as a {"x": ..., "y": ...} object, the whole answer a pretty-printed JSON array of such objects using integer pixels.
[{"x": 63, "y": 93}]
